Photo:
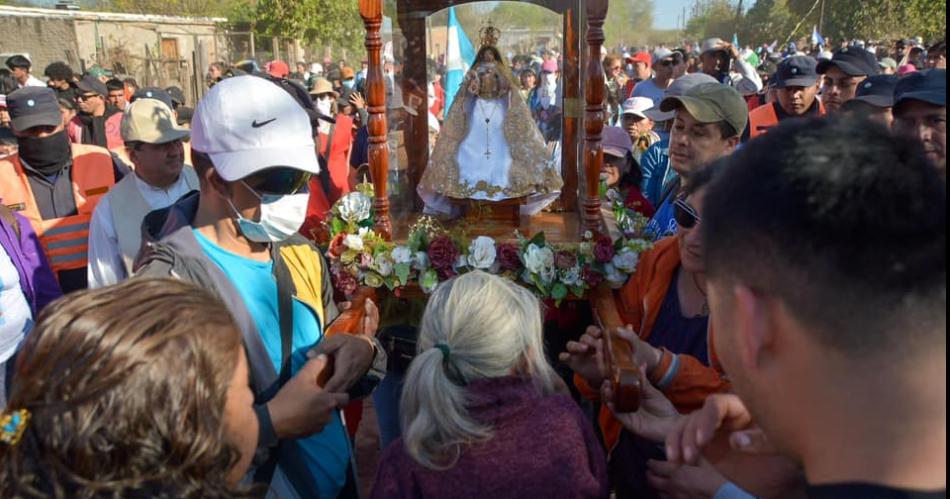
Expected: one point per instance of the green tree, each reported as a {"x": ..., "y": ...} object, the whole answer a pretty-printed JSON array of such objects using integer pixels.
[
  {"x": 875, "y": 19},
  {"x": 335, "y": 23},
  {"x": 629, "y": 22},
  {"x": 766, "y": 21},
  {"x": 712, "y": 18}
]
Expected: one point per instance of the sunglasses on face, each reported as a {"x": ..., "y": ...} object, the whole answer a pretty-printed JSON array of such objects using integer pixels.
[
  {"x": 86, "y": 97},
  {"x": 685, "y": 215},
  {"x": 665, "y": 64},
  {"x": 278, "y": 181}
]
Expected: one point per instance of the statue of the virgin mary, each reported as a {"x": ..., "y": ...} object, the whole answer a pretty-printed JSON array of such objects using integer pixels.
[{"x": 490, "y": 148}]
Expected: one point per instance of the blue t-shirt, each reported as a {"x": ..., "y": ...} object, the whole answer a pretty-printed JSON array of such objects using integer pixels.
[
  {"x": 679, "y": 334},
  {"x": 649, "y": 90},
  {"x": 327, "y": 454},
  {"x": 663, "y": 224}
]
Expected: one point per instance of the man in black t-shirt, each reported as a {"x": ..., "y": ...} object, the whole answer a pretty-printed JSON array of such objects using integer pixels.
[{"x": 825, "y": 246}]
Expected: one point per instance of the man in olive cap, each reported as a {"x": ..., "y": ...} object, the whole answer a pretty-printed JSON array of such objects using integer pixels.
[
  {"x": 155, "y": 146},
  {"x": 710, "y": 118}
]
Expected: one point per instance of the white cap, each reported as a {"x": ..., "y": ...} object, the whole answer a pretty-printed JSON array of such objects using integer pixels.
[
  {"x": 713, "y": 44},
  {"x": 660, "y": 54},
  {"x": 637, "y": 105},
  {"x": 247, "y": 124}
]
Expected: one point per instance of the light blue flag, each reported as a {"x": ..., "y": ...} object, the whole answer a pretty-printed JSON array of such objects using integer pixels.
[
  {"x": 816, "y": 38},
  {"x": 461, "y": 55},
  {"x": 735, "y": 41}
]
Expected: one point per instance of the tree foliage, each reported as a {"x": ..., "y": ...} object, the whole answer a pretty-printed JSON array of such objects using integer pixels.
[
  {"x": 334, "y": 23},
  {"x": 712, "y": 18},
  {"x": 629, "y": 22}
]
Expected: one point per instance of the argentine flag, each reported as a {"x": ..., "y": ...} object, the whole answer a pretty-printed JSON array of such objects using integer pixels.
[
  {"x": 461, "y": 55},
  {"x": 816, "y": 38}
]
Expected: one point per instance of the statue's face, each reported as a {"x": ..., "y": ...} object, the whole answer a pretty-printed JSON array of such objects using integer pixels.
[{"x": 489, "y": 56}]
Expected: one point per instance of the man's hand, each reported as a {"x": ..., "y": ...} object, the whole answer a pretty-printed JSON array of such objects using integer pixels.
[
  {"x": 723, "y": 432},
  {"x": 681, "y": 481},
  {"x": 357, "y": 100},
  {"x": 656, "y": 417},
  {"x": 352, "y": 357},
  {"x": 301, "y": 408},
  {"x": 586, "y": 357}
]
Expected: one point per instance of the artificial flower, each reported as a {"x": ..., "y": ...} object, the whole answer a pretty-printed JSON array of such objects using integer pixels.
[{"x": 482, "y": 253}]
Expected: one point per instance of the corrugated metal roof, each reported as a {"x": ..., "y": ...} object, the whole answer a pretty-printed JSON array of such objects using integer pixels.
[{"x": 7, "y": 11}]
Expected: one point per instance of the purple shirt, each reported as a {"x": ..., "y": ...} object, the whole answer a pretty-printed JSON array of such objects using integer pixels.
[
  {"x": 37, "y": 281},
  {"x": 542, "y": 447}
]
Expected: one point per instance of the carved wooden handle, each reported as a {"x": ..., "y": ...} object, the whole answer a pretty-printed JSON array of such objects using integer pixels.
[{"x": 619, "y": 354}]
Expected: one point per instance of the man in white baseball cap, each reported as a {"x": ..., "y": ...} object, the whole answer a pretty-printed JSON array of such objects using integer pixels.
[
  {"x": 155, "y": 146},
  {"x": 722, "y": 61},
  {"x": 638, "y": 125},
  {"x": 253, "y": 151}
]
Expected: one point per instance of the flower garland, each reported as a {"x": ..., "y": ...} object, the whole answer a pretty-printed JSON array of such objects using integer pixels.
[{"x": 359, "y": 256}]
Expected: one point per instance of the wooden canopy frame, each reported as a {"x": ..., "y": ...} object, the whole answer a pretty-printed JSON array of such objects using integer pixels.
[
  {"x": 412, "y": 15},
  {"x": 623, "y": 371}
]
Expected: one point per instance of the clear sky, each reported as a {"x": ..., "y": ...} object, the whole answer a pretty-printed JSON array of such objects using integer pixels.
[{"x": 666, "y": 13}]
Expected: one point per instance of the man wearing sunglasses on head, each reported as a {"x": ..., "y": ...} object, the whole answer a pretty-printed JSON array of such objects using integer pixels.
[
  {"x": 653, "y": 89},
  {"x": 238, "y": 237}
]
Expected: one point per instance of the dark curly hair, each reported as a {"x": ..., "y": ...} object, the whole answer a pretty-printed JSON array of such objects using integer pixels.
[{"x": 126, "y": 387}]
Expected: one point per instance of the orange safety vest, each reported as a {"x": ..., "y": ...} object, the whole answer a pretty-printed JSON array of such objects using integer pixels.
[
  {"x": 65, "y": 240},
  {"x": 764, "y": 117}
]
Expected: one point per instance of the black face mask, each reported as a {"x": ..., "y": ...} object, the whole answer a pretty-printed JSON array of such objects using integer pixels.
[{"x": 46, "y": 155}]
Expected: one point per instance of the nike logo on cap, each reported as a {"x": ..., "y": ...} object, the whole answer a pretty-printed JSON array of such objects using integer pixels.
[{"x": 255, "y": 124}]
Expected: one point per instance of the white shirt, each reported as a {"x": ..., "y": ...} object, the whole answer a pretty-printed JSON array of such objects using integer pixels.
[
  {"x": 105, "y": 257},
  {"x": 16, "y": 318},
  {"x": 33, "y": 81}
]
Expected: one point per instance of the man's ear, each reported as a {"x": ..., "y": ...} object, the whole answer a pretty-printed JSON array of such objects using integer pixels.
[
  {"x": 753, "y": 331},
  {"x": 733, "y": 142},
  {"x": 216, "y": 183}
]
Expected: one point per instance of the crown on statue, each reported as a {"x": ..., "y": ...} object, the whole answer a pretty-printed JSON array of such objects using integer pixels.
[{"x": 489, "y": 35}]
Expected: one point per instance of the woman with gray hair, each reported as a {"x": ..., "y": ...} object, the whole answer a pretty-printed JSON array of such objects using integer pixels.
[{"x": 483, "y": 414}]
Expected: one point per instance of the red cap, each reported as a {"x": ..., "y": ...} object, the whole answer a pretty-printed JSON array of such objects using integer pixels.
[
  {"x": 278, "y": 69},
  {"x": 641, "y": 56}
]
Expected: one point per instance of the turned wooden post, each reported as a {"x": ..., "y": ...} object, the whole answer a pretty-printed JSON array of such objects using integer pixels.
[
  {"x": 594, "y": 117},
  {"x": 571, "y": 80},
  {"x": 372, "y": 13}
]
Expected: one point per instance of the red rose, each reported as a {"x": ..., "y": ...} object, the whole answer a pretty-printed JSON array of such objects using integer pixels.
[
  {"x": 442, "y": 253},
  {"x": 564, "y": 260},
  {"x": 591, "y": 276},
  {"x": 604, "y": 250},
  {"x": 346, "y": 283},
  {"x": 509, "y": 257},
  {"x": 337, "y": 247},
  {"x": 446, "y": 274}
]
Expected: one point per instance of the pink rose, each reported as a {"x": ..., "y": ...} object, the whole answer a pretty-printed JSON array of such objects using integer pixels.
[
  {"x": 509, "y": 257},
  {"x": 442, "y": 253},
  {"x": 346, "y": 283},
  {"x": 604, "y": 249},
  {"x": 564, "y": 260},
  {"x": 366, "y": 260}
]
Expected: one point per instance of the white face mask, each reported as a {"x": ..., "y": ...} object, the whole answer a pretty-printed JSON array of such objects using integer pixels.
[
  {"x": 325, "y": 106},
  {"x": 281, "y": 217}
]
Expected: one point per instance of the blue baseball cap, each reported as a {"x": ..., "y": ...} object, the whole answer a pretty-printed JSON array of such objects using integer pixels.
[
  {"x": 929, "y": 86},
  {"x": 852, "y": 61},
  {"x": 878, "y": 90},
  {"x": 796, "y": 71}
]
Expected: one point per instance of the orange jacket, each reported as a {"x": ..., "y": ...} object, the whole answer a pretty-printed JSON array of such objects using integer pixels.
[
  {"x": 65, "y": 240},
  {"x": 764, "y": 117},
  {"x": 337, "y": 155},
  {"x": 682, "y": 378}
]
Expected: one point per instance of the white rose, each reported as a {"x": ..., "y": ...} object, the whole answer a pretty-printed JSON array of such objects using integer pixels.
[
  {"x": 536, "y": 259},
  {"x": 626, "y": 260},
  {"x": 382, "y": 265},
  {"x": 402, "y": 254},
  {"x": 482, "y": 253},
  {"x": 421, "y": 261},
  {"x": 355, "y": 207},
  {"x": 548, "y": 275},
  {"x": 571, "y": 277},
  {"x": 354, "y": 242},
  {"x": 614, "y": 277}
]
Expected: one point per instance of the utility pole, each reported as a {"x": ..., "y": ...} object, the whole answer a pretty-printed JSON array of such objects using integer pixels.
[{"x": 821, "y": 18}]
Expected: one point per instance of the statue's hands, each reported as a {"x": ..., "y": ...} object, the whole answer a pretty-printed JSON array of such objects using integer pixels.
[{"x": 474, "y": 87}]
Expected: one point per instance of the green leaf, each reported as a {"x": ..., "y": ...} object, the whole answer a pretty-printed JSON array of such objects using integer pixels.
[
  {"x": 402, "y": 271},
  {"x": 559, "y": 292},
  {"x": 578, "y": 291},
  {"x": 337, "y": 226}
]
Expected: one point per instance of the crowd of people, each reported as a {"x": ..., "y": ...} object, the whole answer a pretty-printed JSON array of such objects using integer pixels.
[{"x": 168, "y": 326}]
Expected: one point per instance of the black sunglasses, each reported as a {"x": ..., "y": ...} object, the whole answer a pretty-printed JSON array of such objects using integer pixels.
[
  {"x": 666, "y": 64},
  {"x": 278, "y": 181},
  {"x": 685, "y": 215}
]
